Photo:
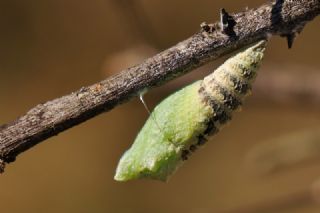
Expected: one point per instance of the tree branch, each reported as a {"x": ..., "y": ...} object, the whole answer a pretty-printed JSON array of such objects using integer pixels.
[{"x": 285, "y": 17}]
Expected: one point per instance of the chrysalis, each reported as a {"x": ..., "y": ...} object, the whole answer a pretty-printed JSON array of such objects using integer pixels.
[{"x": 183, "y": 121}]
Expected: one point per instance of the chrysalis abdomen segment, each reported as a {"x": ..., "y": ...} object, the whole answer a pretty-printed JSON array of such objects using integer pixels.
[
  {"x": 181, "y": 122},
  {"x": 226, "y": 88}
]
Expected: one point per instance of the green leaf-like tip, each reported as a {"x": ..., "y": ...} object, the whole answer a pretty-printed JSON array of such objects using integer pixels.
[{"x": 183, "y": 121}]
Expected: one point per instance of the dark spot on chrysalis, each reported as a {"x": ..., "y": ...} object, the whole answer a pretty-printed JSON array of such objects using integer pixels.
[
  {"x": 193, "y": 148},
  {"x": 240, "y": 87},
  {"x": 222, "y": 117},
  {"x": 211, "y": 128},
  {"x": 231, "y": 101},
  {"x": 201, "y": 90},
  {"x": 201, "y": 140},
  {"x": 205, "y": 97},
  {"x": 184, "y": 154}
]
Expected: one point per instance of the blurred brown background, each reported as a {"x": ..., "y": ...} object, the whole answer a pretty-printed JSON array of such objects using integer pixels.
[{"x": 266, "y": 160}]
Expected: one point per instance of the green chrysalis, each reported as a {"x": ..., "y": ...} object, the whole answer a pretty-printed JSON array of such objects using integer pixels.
[{"x": 183, "y": 121}]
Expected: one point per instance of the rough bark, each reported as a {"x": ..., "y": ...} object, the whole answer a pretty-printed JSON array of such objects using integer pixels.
[{"x": 284, "y": 17}]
